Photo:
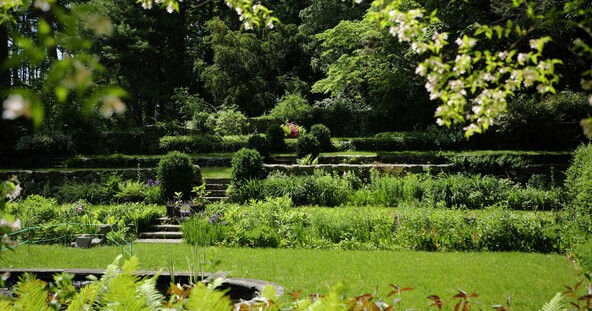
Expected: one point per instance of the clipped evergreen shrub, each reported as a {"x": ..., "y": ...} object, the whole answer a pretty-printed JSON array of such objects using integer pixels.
[
  {"x": 247, "y": 164},
  {"x": 323, "y": 135},
  {"x": 275, "y": 138},
  {"x": 259, "y": 143},
  {"x": 308, "y": 144},
  {"x": 177, "y": 173},
  {"x": 202, "y": 143},
  {"x": 54, "y": 143},
  {"x": 262, "y": 123}
]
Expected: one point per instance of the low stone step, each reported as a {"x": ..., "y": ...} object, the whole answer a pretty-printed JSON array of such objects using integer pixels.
[
  {"x": 166, "y": 241},
  {"x": 217, "y": 193},
  {"x": 166, "y": 227},
  {"x": 211, "y": 187},
  {"x": 161, "y": 235},
  {"x": 215, "y": 199},
  {"x": 217, "y": 181}
]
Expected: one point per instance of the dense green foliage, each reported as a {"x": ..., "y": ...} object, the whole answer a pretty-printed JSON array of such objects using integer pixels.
[
  {"x": 323, "y": 135},
  {"x": 579, "y": 188},
  {"x": 275, "y": 223},
  {"x": 292, "y": 108},
  {"x": 259, "y": 143},
  {"x": 177, "y": 173},
  {"x": 275, "y": 138},
  {"x": 308, "y": 144},
  {"x": 445, "y": 190},
  {"x": 246, "y": 164},
  {"x": 57, "y": 223},
  {"x": 230, "y": 122},
  {"x": 108, "y": 189},
  {"x": 331, "y": 63},
  {"x": 202, "y": 143}
]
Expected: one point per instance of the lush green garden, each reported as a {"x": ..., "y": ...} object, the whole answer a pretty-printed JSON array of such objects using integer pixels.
[{"x": 300, "y": 144}]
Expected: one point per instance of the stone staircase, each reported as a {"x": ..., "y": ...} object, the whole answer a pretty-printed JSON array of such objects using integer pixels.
[
  {"x": 168, "y": 230},
  {"x": 164, "y": 232},
  {"x": 217, "y": 188}
]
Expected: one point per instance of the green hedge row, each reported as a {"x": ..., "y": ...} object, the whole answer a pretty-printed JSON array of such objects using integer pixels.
[{"x": 207, "y": 143}]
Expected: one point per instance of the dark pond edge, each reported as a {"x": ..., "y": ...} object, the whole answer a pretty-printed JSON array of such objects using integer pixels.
[{"x": 238, "y": 288}]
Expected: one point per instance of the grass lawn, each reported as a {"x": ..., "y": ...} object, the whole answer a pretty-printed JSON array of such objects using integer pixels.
[
  {"x": 531, "y": 279},
  {"x": 216, "y": 172}
]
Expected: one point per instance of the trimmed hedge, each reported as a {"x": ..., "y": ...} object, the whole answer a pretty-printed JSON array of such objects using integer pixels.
[
  {"x": 202, "y": 144},
  {"x": 262, "y": 123}
]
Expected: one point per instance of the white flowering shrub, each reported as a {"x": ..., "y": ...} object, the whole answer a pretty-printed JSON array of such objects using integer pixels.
[{"x": 475, "y": 83}]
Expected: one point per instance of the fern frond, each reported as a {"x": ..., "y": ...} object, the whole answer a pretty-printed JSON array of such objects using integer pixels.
[
  {"x": 6, "y": 305},
  {"x": 31, "y": 293},
  {"x": 84, "y": 299},
  {"x": 122, "y": 294},
  {"x": 204, "y": 299},
  {"x": 556, "y": 304},
  {"x": 104, "y": 284},
  {"x": 131, "y": 265},
  {"x": 152, "y": 297}
]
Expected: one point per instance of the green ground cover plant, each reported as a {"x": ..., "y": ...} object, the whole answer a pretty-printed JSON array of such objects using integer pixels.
[
  {"x": 492, "y": 275},
  {"x": 276, "y": 223},
  {"x": 49, "y": 215},
  {"x": 382, "y": 189},
  {"x": 110, "y": 189}
]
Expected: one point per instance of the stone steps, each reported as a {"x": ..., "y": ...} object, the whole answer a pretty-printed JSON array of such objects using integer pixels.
[
  {"x": 216, "y": 188},
  {"x": 166, "y": 228},
  {"x": 165, "y": 241},
  {"x": 162, "y": 235},
  {"x": 165, "y": 232}
]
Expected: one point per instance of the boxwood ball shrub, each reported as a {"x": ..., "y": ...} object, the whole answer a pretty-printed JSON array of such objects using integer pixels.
[
  {"x": 308, "y": 144},
  {"x": 177, "y": 173},
  {"x": 323, "y": 135},
  {"x": 259, "y": 143},
  {"x": 247, "y": 164},
  {"x": 275, "y": 138}
]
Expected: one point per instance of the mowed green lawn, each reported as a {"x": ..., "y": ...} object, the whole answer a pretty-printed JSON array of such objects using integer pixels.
[{"x": 530, "y": 279}]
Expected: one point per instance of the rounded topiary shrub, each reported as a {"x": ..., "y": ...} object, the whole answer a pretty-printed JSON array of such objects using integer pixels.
[
  {"x": 308, "y": 144},
  {"x": 247, "y": 164},
  {"x": 323, "y": 135},
  {"x": 177, "y": 173},
  {"x": 275, "y": 138},
  {"x": 259, "y": 143}
]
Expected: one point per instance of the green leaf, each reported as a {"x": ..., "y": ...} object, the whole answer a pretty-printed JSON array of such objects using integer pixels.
[
  {"x": 61, "y": 93},
  {"x": 44, "y": 28},
  {"x": 556, "y": 304}
]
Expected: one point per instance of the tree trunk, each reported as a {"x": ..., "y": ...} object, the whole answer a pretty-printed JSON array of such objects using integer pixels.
[
  {"x": 52, "y": 51},
  {"x": 4, "y": 73}
]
